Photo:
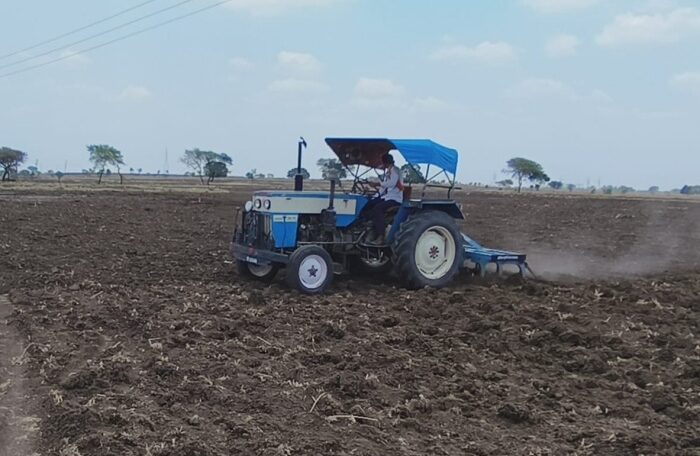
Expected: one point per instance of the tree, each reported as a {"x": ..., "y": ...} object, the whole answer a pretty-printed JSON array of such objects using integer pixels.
[
  {"x": 570, "y": 187},
  {"x": 556, "y": 185},
  {"x": 690, "y": 190},
  {"x": 10, "y": 159},
  {"x": 198, "y": 160},
  {"x": 251, "y": 174},
  {"x": 293, "y": 172},
  {"x": 412, "y": 174},
  {"x": 139, "y": 170},
  {"x": 331, "y": 168},
  {"x": 654, "y": 189},
  {"x": 215, "y": 169},
  {"x": 505, "y": 183},
  {"x": 104, "y": 156},
  {"x": 523, "y": 169},
  {"x": 59, "y": 175},
  {"x": 33, "y": 171}
]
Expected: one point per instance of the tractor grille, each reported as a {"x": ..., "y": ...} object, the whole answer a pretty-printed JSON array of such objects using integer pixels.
[{"x": 258, "y": 230}]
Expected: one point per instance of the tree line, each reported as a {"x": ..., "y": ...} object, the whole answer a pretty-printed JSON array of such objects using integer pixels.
[{"x": 107, "y": 160}]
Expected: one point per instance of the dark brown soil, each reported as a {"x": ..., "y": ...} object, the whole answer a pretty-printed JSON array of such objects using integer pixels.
[{"x": 129, "y": 333}]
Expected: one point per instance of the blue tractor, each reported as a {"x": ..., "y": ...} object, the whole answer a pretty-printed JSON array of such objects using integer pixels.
[{"x": 316, "y": 234}]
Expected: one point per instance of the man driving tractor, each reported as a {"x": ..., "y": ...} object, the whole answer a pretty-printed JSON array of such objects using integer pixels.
[{"x": 389, "y": 194}]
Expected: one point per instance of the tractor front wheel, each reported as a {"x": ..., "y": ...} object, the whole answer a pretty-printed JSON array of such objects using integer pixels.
[
  {"x": 428, "y": 250},
  {"x": 310, "y": 269},
  {"x": 263, "y": 272}
]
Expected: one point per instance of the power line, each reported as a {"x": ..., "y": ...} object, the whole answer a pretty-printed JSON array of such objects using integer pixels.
[
  {"x": 121, "y": 38},
  {"x": 80, "y": 29},
  {"x": 96, "y": 35}
]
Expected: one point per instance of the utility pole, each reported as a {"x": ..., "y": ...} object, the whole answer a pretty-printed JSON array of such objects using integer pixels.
[{"x": 167, "y": 166}]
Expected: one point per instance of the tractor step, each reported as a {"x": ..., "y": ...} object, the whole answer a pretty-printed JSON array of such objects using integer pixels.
[{"x": 482, "y": 257}]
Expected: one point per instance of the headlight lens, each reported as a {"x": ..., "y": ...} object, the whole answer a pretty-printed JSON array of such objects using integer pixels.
[
  {"x": 267, "y": 204},
  {"x": 248, "y": 206},
  {"x": 258, "y": 203}
]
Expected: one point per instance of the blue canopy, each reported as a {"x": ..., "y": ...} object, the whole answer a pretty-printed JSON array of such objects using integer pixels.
[{"x": 369, "y": 152}]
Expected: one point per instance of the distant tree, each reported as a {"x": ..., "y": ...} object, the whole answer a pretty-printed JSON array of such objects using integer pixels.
[
  {"x": 10, "y": 159},
  {"x": 412, "y": 174},
  {"x": 104, "y": 156},
  {"x": 624, "y": 189},
  {"x": 251, "y": 174},
  {"x": 607, "y": 189},
  {"x": 197, "y": 160},
  {"x": 556, "y": 185},
  {"x": 690, "y": 190},
  {"x": 260, "y": 176},
  {"x": 215, "y": 169},
  {"x": 139, "y": 170},
  {"x": 570, "y": 187},
  {"x": 59, "y": 175},
  {"x": 505, "y": 183},
  {"x": 270, "y": 176},
  {"x": 654, "y": 189},
  {"x": 331, "y": 168},
  {"x": 33, "y": 171},
  {"x": 523, "y": 169},
  {"x": 293, "y": 172},
  {"x": 24, "y": 173}
]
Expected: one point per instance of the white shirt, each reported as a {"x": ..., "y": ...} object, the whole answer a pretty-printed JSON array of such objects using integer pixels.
[{"x": 389, "y": 188}]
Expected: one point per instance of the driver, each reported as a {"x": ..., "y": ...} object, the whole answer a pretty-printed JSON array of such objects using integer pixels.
[{"x": 389, "y": 194}]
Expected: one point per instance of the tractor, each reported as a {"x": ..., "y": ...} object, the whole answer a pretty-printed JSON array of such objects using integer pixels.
[{"x": 314, "y": 235}]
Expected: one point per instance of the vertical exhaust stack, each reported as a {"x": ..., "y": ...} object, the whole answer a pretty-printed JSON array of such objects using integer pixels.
[{"x": 299, "y": 178}]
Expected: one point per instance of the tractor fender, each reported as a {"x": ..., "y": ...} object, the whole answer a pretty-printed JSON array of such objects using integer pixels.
[{"x": 448, "y": 206}]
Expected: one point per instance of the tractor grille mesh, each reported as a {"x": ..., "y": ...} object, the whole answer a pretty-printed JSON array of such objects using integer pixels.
[{"x": 258, "y": 230}]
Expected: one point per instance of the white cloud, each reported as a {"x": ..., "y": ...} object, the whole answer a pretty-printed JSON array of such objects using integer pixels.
[
  {"x": 541, "y": 88},
  {"x": 74, "y": 57},
  {"x": 241, "y": 64},
  {"x": 562, "y": 46},
  {"x": 689, "y": 82},
  {"x": 134, "y": 93},
  {"x": 430, "y": 104},
  {"x": 298, "y": 62},
  {"x": 486, "y": 52},
  {"x": 271, "y": 7},
  {"x": 659, "y": 28},
  {"x": 559, "y": 6},
  {"x": 297, "y": 86},
  {"x": 377, "y": 93}
]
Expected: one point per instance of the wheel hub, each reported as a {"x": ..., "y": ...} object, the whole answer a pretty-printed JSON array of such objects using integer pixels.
[
  {"x": 259, "y": 270},
  {"x": 435, "y": 252},
  {"x": 313, "y": 271}
]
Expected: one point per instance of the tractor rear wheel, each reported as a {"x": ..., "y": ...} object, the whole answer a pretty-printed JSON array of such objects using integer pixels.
[
  {"x": 310, "y": 269},
  {"x": 428, "y": 250},
  {"x": 262, "y": 272}
]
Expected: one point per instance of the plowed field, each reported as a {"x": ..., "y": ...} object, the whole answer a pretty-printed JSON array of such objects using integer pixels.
[{"x": 124, "y": 330}]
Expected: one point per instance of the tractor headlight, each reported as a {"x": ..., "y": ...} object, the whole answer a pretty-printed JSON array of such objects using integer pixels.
[
  {"x": 267, "y": 204},
  {"x": 248, "y": 206},
  {"x": 258, "y": 203}
]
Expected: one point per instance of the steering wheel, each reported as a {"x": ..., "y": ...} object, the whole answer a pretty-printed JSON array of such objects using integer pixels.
[{"x": 363, "y": 187}]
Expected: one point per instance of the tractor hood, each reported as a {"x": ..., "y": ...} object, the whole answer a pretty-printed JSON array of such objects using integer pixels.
[{"x": 369, "y": 152}]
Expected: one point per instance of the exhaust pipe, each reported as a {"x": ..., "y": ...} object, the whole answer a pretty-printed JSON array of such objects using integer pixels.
[{"x": 299, "y": 178}]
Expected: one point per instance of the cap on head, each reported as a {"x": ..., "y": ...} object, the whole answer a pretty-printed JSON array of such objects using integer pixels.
[{"x": 387, "y": 159}]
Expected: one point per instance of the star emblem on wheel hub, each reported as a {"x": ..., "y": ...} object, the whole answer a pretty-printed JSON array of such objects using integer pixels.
[{"x": 313, "y": 271}]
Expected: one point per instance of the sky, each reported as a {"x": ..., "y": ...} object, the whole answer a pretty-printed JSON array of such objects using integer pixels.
[{"x": 599, "y": 92}]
